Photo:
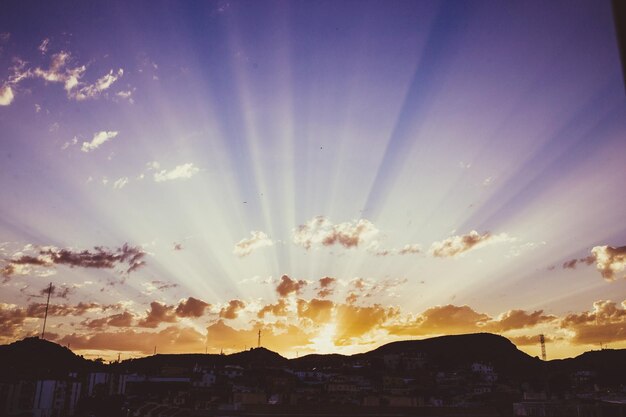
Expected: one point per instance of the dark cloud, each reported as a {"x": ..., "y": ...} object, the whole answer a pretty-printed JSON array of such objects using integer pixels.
[
  {"x": 99, "y": 258},
  {"x": 191, "y": 307},
  {"x": 158, "y": 313},
  {"x": 124, "y": 319},
  {"x": 288, "y": 286},
  {"x": 326, "y": 287},
  {"x": 232, "y": 310}
]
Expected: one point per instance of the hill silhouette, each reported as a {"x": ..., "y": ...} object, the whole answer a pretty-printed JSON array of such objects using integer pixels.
[{"x": 37, "y": 357}]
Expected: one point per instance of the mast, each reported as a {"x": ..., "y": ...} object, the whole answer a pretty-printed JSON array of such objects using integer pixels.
[{"x": 45, "y": 317}]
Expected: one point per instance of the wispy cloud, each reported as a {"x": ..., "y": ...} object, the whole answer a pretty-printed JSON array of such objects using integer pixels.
[
  {"x": 247, "y": 245},
  {"x": 120, "y": 183},
  {"x": 98, "y": 139},
  {"x": 455, "y": 245},
  {"x": 180, "y": 172}
]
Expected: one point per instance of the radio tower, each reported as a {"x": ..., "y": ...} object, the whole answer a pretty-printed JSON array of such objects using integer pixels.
[
  {"x": 542, "y": 340},
  {"x": 259, "y": 340},
  {"x": 45, "y": 317}
]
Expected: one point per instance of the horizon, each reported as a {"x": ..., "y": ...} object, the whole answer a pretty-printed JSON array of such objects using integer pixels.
[
  {"x": 114, "y": 359},
  {"x": 335, "y": 175}
]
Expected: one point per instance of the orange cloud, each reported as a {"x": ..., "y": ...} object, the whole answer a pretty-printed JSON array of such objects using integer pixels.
[
  {"x": 605, "y": 323},
  {"x": 277, "y": 337},
  {"x": 173, "y": 339},
  {"x": 319, "y": 311},
  {"x": 278, "y": 309},
  {"x": 354, "y": 321}
]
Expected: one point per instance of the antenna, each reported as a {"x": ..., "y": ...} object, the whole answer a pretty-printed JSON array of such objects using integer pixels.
[
  {"x": 542, "y": 340},
  {"x": 155, "y": 349},
  {"x": 118, "y": 357},
  {"x": 259, "y": 340},
  {"x": 45, "y": 317}
]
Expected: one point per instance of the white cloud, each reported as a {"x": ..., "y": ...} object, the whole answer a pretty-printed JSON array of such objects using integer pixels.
[
  {"x": 98, "y": 139},
  {"x": 120, "y": 183},
  {"x": 610, "y": 261},
  {"x": 258, "y": 240},
  {"x": 180, "y": 172},
  {"x": 6, "y": 95},
  {"x": 43, "y": 46},
  {"x": 321, "y": 231}
]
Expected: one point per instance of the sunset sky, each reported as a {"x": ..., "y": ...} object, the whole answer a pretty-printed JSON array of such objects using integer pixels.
[{"x": 337, "y": 174}]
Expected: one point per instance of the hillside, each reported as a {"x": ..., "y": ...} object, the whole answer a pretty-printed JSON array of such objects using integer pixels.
[{"x": 37, "y": 357}]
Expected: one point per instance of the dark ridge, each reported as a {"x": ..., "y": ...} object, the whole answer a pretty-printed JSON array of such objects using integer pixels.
[
  {"x": 316, "y": 360},
  {"x": 37, "y": 357},
  {"x": 257, "y": 357}
]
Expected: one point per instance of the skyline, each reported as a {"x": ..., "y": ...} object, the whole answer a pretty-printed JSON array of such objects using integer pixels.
[{"x": 339, "y": 175}]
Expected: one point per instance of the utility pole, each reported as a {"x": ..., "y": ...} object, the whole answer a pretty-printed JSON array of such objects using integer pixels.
[
  {"x": 259, "y": 340},
  {"x": 542, "y": 340},
  {"x": 45, "y": 317}
]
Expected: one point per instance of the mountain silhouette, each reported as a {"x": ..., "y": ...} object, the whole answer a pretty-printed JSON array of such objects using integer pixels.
[{"x": 37, "y": 357}]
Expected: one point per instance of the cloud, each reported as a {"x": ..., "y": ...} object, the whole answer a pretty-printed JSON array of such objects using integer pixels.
[
  {"x": 158, "y": 313},
  {"x": 319, "y": 311},
  {"x": 288, "y": 286},
  {"x": 101, "y": 84},
  {"x": 98, "y": 139},
  {"x": 456, "y": 245},
  {"x": 610, "y": 261},
  {"x": 321, "y": 231},
  {"x": 410, "y": 249},
  {"x": 278, "y": 310},
  {"x": 448, "y": 319},
  {"x": 605, "y": 323},
  {"x": 99, "y": 258},
  {"x": 172, "y": 339},
  {"x": 353, "y": 321},
  {"x": 124, "y": 319},
  {"x": 180, "y": 172},
  {"x": 326, "y": 287},
  {"x": 278, "y": 337},
  {"x": 6, "y": 95},
  {"x": 232, "y": 310},
  {"x": 120, "y": 183},
  {"x": 571, "y": 264},
  {"x": 528, "y": 340},
  {"x": 43, "y": 46},
  {"x": 258, "y": 240},
  {"x": 191, "y": 307},
  {"x": 517, "y": 319}
]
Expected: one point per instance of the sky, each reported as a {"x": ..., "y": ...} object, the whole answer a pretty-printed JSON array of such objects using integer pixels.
[{"x": 337, "y": 175}]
